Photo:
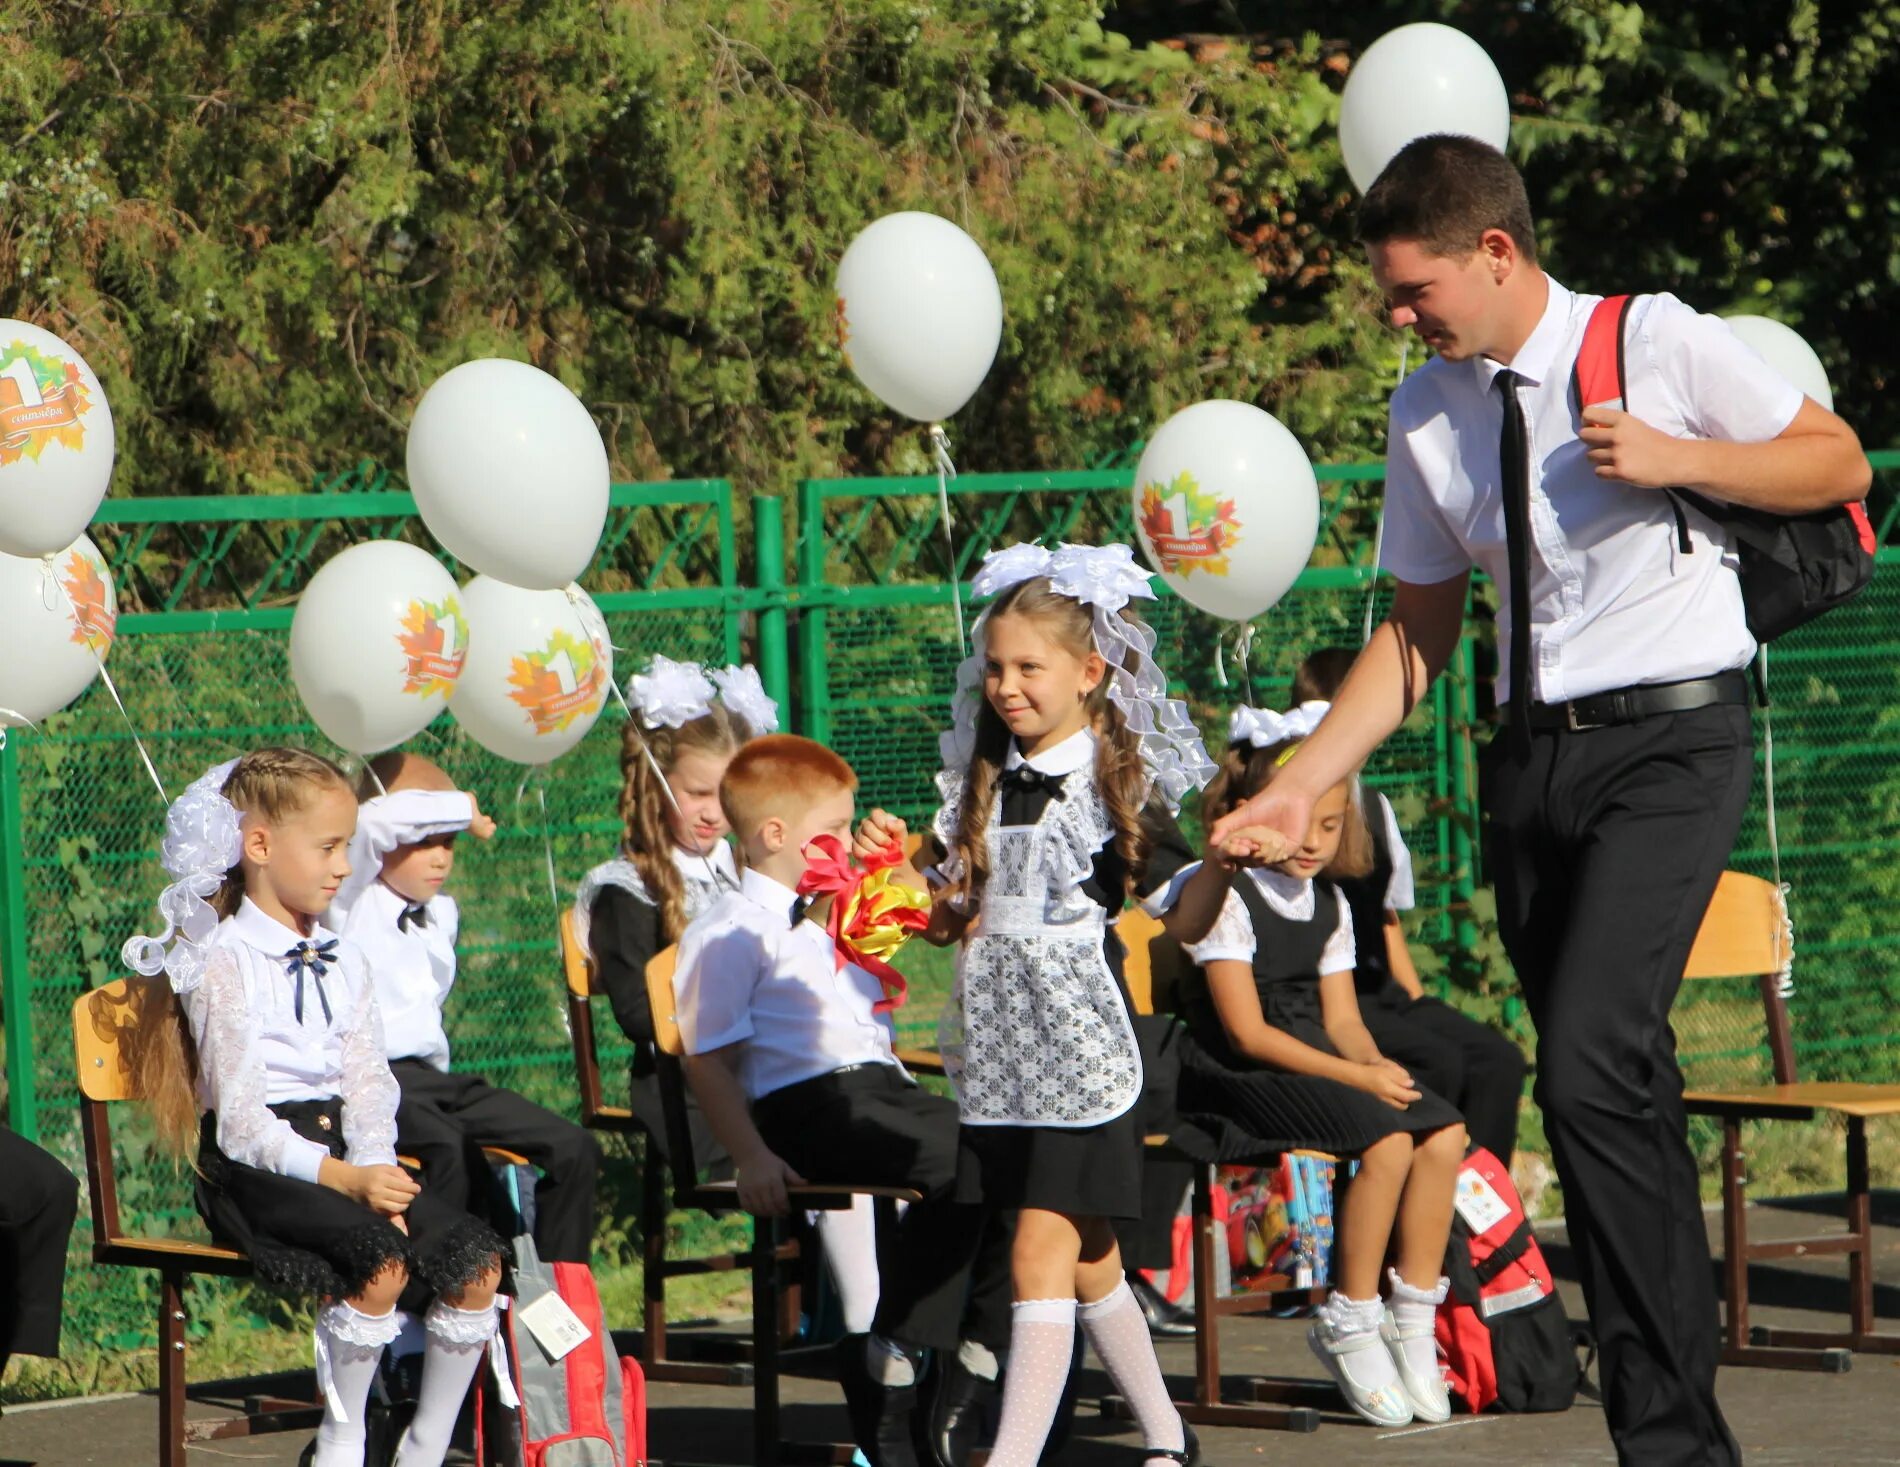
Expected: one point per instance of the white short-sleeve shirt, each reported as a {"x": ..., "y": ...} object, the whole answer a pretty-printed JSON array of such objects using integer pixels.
[
  {"x": 1232, "y": 938},
  {"x": 1614, "y": 601}
]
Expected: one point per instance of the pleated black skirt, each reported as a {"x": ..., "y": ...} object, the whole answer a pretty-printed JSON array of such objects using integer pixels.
[{"x": 307, "y": 1240}]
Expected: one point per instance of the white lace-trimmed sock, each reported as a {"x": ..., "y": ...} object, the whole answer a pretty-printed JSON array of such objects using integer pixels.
[
  {"x": 348, "y": 1345},
  {"x": 1118, "y": 1332},
  {"x": 1416, "y": 1309},
  {"x": 1041, "y": 1342},
  {"x": 458, "y": 1338},
  {"x": 849, "y": 1239}
]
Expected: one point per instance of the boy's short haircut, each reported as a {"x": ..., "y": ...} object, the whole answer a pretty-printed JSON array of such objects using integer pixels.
[
  {"x": 395, "y": 770},
  {"x": 1445, "y": 191},
  {"x": 782, "y": 775},
  {"x": 1317, "y": 678}
]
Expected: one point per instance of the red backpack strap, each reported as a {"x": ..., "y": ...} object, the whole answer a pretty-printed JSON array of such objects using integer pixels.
[{"x": 1598, "y": 376}]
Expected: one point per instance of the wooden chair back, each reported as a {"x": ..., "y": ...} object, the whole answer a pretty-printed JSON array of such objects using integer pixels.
[
  {"x": 1745, "y": 934},
  {"x": 582, "y": 981},
  {"x": 1154, "y": 963},
  {"x": 104, "y": 1019},
  {"x": 670, "y": 1071}
]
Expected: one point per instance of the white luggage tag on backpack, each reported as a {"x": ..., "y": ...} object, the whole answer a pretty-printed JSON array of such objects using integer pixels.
[
  {"x": 1478, "y": 1203},
  {"x": 556, "y": 1328}
]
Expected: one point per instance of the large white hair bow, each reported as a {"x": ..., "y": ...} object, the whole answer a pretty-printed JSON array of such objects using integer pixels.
[
  {"x": 1263, "y": 728},
  {"x": 202, "y": 843},
  {"x": 1107, "y": 576},
  {"x": 743, "y": 692},
  {"x": 670, "y": 693}
]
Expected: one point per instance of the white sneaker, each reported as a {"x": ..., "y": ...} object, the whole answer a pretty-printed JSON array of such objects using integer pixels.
[
  {"x": 1425, "y": 1390},
  {"x": 1364, "y": 1371}
]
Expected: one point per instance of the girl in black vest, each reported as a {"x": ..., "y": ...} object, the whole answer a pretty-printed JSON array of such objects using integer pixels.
[{"x": 1276, "y": 1005}]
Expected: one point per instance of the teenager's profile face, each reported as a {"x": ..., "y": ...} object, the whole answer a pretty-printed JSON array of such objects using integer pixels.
[
  {"x": 699, "y": 824},
  {"x": 1037, "y": 685},
  {"x": 302, "y": 859},
  {"x": 1324, "y": 830},
  {"x": 1447, "y": 301}
]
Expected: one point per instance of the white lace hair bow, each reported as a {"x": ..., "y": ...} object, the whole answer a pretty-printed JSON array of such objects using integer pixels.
[
  {"x": 1263, "y": 728},
  {"x": 743, "y": 692},
  {"x": 1104, "y": 579},
  {"x": 670, "y": 693},
  {"x": 202, "y": 843}
]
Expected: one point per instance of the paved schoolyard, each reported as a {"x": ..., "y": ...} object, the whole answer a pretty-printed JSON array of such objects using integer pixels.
[{"x": 1784, "y": 1419}]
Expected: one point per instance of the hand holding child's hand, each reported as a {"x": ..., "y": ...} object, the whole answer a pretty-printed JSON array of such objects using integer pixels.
[
  {"x": 876, "y": 833},
  {"x": 762, "y": 1182},
  {"x": 479, "y": 825},
  {"x": 1254, "y": 845}
]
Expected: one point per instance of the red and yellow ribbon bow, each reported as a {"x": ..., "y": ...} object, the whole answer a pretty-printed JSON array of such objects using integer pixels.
[{"x": 872, "y": 913}]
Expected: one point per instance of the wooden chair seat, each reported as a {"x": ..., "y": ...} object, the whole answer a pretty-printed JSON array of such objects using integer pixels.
[
  {"x": 920, "y": 1061},
  {"x": 1797, "y": 1102},
  {"x": 200, "y": 1257}
]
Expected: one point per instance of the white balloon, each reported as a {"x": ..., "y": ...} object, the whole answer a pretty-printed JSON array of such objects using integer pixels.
[
  {"x": 1788, "y": 352},
  {"x": 59, "y": 610},
  {"x": 919, "y": 313},
  {"x": 1413, "y": 81},
  {"x": 509, "y": 473},
  {"x": 376, "y": 644},
  {"x": 56, "y": 441},
  {"x": 1227, "y": 507},
  {"x": 538, "y": 672}
]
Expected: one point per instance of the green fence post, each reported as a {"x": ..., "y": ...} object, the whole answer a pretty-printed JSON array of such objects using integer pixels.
[
  {"x": 814, "y": 683},
  {"x": 729, "y": 570},
  {"x": 768, "y": 575},
  {"x": 16, "y": 996}
]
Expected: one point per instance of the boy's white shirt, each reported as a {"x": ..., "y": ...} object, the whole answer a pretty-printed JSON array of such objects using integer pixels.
[
  {"x": 413, "y": 969},
  {"x": 747, "y": 976}
]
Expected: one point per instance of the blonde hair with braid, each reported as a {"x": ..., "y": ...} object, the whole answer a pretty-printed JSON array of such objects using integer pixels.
[{"x": 647, "y": 831}]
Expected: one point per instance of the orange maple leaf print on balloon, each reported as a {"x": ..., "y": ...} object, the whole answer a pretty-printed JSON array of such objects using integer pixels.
[
  {"x": 94, "y": 616},
  {"x": 434, "y": 642},
  {"x": 41, "y": 401},
  {"x": 559, "y": 683}
]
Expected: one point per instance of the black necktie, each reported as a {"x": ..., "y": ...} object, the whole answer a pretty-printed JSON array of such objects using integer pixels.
[
  {"x": 1514, "y": 461},
  {"x": 1028, "y": 781},
  {"x": 314, "y": 959},
  {"x": 414, "y": 916}
]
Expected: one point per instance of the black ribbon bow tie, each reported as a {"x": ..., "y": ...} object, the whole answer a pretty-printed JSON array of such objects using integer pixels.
[
  {"x": 1028, "y": 780},
  {"x": 413, "y": 916},
  {"x": 313, "y": 958},
  {"x": 799, "y": 907}
]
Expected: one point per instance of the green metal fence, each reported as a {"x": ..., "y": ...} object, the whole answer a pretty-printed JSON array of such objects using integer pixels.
[{"x": 852, "y": 628}]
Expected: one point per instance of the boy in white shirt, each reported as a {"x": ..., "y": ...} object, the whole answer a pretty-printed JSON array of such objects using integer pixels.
[
  {"x": 789, "y": 1052},
  {"x": 393, "y": 908}
]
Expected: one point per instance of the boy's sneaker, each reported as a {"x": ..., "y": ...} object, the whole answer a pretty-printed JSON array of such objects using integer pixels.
[
  {"x": 1424, "y": 1388},
  {"x": 1362, "y": 1367}
]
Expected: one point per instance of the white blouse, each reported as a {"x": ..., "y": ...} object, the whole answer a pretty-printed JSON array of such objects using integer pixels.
[
  {"x": 254, "y": 1052},
  {"x": 1232, "y": 939}
]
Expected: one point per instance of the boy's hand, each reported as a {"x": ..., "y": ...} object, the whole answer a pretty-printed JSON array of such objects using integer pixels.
[
  {"x": 762, "y": 1181},
  {"x": 479, "y": 825},
  {"x": 877, "y": 832}
]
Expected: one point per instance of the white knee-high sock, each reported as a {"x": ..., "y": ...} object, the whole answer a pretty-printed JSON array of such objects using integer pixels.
[
  {"x": 1118, "y": 1333},
  {"x": 458, "y": 1338},
  {"x": 1041, "y": 1342},
  {"x": 850, "y": 1243},
  {"x": 349, "y": 1343}
]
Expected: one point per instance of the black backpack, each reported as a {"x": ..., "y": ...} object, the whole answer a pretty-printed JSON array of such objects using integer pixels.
[{"x": 1793, "y": 567}]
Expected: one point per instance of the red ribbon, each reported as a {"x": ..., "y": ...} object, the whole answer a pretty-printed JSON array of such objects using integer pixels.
[{"x": 830, "y": 873}]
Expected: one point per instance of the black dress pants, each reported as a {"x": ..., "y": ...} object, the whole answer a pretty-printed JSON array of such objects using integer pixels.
[
  {"x": 1454, "y": 1055},
  {"x": 444, "y": 1121},
  {"x": 1606, "y": 845},
  {"x": 38, "y": 1202},
  {"x": 868, "y": 1124}
]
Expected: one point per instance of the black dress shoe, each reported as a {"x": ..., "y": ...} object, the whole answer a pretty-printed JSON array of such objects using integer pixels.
[
  {"x": 1190, "y": 1453},
  {"x": 1165, "y": 1321},
  {"x": 883, "y": 1418},
  {"x": 964, "y": 1412}
]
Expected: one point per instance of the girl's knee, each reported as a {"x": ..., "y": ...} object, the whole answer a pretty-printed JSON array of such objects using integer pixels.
[
  {"x": 1392, "y": 1152},
  {"x": 479, "y": 1292},
  {"x": 385, "y": 1287},
  {"x": 1448, "y": 1145}
]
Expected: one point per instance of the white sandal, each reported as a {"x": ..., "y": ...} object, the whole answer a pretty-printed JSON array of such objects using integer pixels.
[
  {"x": 1364, "y": 1370},
  {"x": 1430, "y": 1400}
]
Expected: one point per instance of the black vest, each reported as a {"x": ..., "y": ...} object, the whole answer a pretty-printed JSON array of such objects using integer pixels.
[
  {"x": 1365, "y": 897},
  {"x": 1286, "y": 957}
]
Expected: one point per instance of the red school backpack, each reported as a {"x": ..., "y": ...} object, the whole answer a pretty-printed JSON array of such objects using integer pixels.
[
  {"x": 1792, "y": 567},
  {"x": 583, "y": 1407},
  {"x": 1506, "y": 1341}
]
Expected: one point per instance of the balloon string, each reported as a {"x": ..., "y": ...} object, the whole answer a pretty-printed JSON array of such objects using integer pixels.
[
  {"x": 49, "y": 582},
  {"x": 659, "y": 775},
  {"x": 946, "y": 471},
  {"x": 1243, "y": 644}
]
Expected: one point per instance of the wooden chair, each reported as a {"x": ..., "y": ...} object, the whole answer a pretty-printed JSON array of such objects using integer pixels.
[
  {"x": 583, "y": 986},
  {"x": 1153, "y": 966},
  {"x": 1745, "y": 935},
  {"x": 101, "y": 1021},
  {"x": 767, "y": 1254}
]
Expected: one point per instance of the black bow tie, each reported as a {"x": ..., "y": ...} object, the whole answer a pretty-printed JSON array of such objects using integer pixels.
[
  {"x": 1029, "y": 780},
  {"x": 313, "y": 958},
  {"x": 799, "y": 907},
  {"x": 414, "y": 916}
]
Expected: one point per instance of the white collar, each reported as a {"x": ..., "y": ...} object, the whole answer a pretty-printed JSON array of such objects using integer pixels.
[
  {"x": 1075, "y": 752},
  {"x": 693, "y": 868},
  {"x": 1287, "y": 888},
  {"x": 775, "y": 896},
  {"x": 1538, "y": 355},
  {"x": 254, "y": 925}
]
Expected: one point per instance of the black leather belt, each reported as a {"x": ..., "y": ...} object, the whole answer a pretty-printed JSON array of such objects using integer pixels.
[{"x": 1626, "y": 705}]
